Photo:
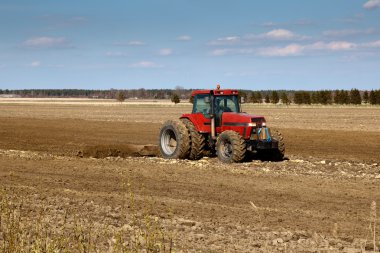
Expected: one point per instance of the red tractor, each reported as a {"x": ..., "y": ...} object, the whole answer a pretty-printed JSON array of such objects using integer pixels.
[{"x": 217, "y": 124}]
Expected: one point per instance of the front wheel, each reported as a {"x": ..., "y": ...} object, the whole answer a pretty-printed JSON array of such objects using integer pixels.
[{"x": 231, "y": 147}]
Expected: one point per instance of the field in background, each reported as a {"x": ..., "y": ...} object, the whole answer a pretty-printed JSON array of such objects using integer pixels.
[
  {"x": 319, "y": 199},
  {"x": 332, "y": 117}
]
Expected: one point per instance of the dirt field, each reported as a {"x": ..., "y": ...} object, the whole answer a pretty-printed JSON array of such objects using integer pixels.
[{"x": 318, "y": 200}]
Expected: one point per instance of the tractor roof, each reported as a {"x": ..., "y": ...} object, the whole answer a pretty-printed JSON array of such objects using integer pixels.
[{"x": 217, "y": 92}]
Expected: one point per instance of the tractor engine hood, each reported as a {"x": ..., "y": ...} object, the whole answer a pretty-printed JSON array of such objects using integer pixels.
[{"x": 230, "y": 118}]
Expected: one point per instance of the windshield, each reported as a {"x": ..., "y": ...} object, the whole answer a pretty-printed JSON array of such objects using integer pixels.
[{"x": 226, "y": 104}]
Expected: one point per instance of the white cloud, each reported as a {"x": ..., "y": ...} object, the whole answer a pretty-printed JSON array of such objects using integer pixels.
[
  {"x": 297, "y": 49},
  {"x": 276, "y": 34},
  {"x": 165, "y": 51},
  {"x": 301, "y": 22},
  {"x": 290, "y": 50},
  {"x": 372, "y": 44},
  {"x": 116, "y": 54},
  {"x": 225, "y": 51},
  {"x": 35, "y": 64},
  {"x": 136, "y": 43},
  {"x": 129, "y": 43},
  {"x": 184, "y": 38},
  {"x": 334, "y": 45},
  {"x": 280, "y": 34},
  {"x": 220, "y": 52},
  {"x": 372, "y": 4},
  {"x": 46, "y": 42},
  {"x": 225, "y": 41},
  {"x": 145, "y": 64},
  {"x": 348, "y": 32}
]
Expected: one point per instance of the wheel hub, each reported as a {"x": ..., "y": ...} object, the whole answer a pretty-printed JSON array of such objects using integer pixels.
[
  {"x": 168, "y": 141},
  {"x": 226, "y": 149}
]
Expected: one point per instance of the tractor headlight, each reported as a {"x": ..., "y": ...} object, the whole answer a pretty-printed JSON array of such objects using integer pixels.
[
  {"x": 252, "y": 124},
  {"x": 263, "y": 124}
]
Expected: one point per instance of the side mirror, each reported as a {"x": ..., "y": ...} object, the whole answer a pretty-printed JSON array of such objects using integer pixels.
[
  {"x": 242, "y": 100},
  {"x": 207, "y": 100}
]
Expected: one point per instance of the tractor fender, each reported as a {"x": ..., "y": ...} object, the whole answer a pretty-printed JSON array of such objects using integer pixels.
[{"x": 201, "y": 123}]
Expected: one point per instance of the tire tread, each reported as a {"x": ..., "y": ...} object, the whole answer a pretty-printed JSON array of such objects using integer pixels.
[{"x": 198, "y": 141}]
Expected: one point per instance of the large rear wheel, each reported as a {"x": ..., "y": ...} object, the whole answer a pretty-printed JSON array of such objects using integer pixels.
[
  {"x": 174, "y": 140},
  {"x": 231, "y": 147},
  {"x": 198, "y": 141}
]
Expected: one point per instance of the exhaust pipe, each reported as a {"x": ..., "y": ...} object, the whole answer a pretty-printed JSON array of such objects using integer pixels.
[
  {"x": 213, "y": 127},
  {"x": 213, "y": 135}
]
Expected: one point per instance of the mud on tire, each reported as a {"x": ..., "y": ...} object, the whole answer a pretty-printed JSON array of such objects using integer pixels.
[
  {"x": 197, "y": 140},
  {"x": 230, "y": 147},
  {"x": 174, "y": 140}
]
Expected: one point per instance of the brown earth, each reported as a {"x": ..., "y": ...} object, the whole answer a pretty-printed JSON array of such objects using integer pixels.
[
  {"x": 329, "y": 181},
  {"x": 70, "y": 136}
]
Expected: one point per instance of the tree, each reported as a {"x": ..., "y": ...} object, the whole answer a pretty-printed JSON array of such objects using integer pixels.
[
  {"x": 306, "y": 97},
  {"x": 372, "y": 97},
  {"x": 275, "y": 98},
  {"x": 365, "y": 97},
  {"x": 175, "y": 98},
  {"x": 179, "y": 90},
  {"x": 314, "y": 98},
  {"x": 345, "y": 97},
  {"x": 252, "y": 97},
  {"x": 259, "y": 97},
  {"x": 284, "y": 98},
  {"x": 337, "y": 97},
  {"x": 298, "y": 98},
  {"x": 377, "y": 93},
  {"x": 242, "y": 94},
  {"x": 355, "y": 97},
  {"x": 120, "y": 96},
  {"x": 325, "y": 97},
  {"x": 267, "y": 100}
]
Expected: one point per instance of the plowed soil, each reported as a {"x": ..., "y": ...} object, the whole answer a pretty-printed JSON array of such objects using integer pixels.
[{"x": 324, "y": 189}]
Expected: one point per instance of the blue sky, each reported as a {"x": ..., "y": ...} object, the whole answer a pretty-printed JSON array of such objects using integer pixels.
[{"x": 247, "y": 44}]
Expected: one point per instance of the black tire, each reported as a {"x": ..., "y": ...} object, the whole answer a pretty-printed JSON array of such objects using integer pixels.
[
  {"x": 277, "y": 154},
  {"x": 174, "y": 140},
  {"x": 231, "y": 147},
  {"x": 209, "y": 149},
  {"x": 197, "y": 140}
]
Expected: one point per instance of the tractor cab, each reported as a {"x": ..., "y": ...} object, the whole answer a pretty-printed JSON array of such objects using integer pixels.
[{"x": 211, "y": 105}]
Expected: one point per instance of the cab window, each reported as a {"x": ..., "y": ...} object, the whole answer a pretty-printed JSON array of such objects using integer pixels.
[
  {"x": 226, "y": 104},
  {"x": 200, "y": 105}
]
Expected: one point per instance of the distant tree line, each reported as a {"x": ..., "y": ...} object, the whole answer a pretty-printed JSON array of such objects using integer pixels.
[
  {"x": 110, "y": 94},
  {"x": 324, "y": 97}
]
